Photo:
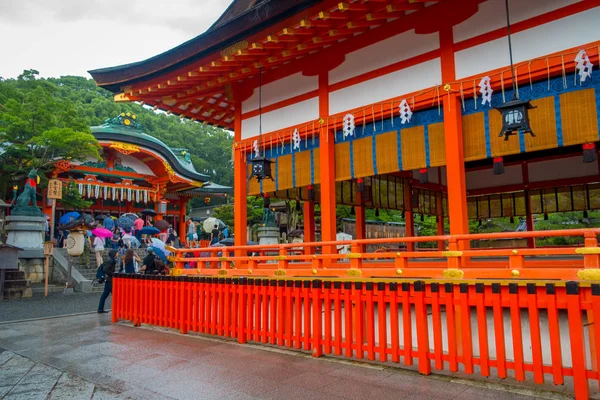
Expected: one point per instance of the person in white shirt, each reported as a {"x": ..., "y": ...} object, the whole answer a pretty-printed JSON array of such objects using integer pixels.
[{"x": 99, "y": 249}]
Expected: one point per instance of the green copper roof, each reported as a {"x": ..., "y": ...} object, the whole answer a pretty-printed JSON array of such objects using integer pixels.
[{"x": 125, "y": 128}]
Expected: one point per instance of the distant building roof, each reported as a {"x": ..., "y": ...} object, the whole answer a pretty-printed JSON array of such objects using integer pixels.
[{"x": 125, "y": 128}]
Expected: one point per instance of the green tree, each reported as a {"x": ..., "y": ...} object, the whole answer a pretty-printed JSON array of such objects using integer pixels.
[
  {"x": 37, "y": 129},
  {"x": 72, "y": 199}
]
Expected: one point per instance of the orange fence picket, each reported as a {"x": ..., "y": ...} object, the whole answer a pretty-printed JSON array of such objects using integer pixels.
[{"x": 500, "y": 328}]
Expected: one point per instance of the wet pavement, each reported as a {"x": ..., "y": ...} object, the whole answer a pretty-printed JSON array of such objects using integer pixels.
[
  {"x": 55, "y": 304},
  {"x": 85, "y": 356}
]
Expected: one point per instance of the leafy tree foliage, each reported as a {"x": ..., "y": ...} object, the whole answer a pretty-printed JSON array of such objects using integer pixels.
[
  {"x": 72, "y": 199},
  {"x": 37, "y": 128},
  {"x": 52, "y": 116}
]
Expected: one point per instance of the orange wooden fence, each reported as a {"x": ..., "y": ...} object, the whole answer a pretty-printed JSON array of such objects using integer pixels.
[
  {"x": 488, "y": 328},
  {"x": 321, "y": 259}
]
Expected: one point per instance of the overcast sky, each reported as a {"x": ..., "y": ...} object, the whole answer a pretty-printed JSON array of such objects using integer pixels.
[{"x": 70, "y": 37}]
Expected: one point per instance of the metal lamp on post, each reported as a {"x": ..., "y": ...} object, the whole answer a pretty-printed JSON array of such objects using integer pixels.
[
  {"x": 515, "y": 113},
  {"x": 261, "y": 165}
]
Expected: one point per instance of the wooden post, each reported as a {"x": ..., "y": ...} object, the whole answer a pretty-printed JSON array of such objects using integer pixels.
[
  {"x": 182, "y": 227},
  {"x": 409, "y": 223},
  {"x": 327, "y": 158},
  {"x": 52, "y": 219},
  {"x": 240, "y": 190},
  {"x": 529, "y": 220},
  {"x": 455, "y": 161},
  {"x": 48, "y": 250},
  {"x": 440, "y": 221},
  {"x": 309, "y": 225}
]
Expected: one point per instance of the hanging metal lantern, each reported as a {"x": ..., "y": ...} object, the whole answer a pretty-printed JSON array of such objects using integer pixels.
[
  {"x": 207, "y": 200},
  {"x": 515, "y": 118},
  {"x": 261, "y": 168}
]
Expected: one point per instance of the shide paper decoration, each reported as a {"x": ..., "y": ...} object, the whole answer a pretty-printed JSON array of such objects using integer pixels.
[
  {"x": 485, "y": 88},
  {"x": 296, "y": 140},
  {"x": 405, "y": 112},
  {"x": 584, "y": 66},
  {"x": 348, "y": 127}
]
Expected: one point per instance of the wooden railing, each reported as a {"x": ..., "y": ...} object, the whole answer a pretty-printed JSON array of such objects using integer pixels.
[{"x": 457, "y": 261}]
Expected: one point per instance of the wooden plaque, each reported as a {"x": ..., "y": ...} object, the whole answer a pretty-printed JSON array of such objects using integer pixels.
[{"x": 55, "y": 189}]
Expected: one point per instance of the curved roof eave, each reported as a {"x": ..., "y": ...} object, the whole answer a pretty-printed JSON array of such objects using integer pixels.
[
  {"x": 153, "y": 144},
  {"x": 217, "y": 38}
]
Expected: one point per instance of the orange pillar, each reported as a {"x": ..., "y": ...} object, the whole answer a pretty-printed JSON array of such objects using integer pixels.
[
  {"x": 455, "y": 161},
  {"x": 239, "y": 186},
  {"x": 361, "y": 222},
  {"x": 529, "y": 220},
  {"x": 440, "y": 221},
  {"x": 327, "y": 158},
  {"x": 182, "y": 211},
  {"x": 409, "y": 222},
  {"x": 309, "y": 225}
]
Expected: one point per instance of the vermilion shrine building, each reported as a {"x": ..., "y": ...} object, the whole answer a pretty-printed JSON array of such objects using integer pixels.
[
  {"x": 393, "y": 105},
  {"x": 390, "y": 105},
  {"x": 137, "y": 171}
]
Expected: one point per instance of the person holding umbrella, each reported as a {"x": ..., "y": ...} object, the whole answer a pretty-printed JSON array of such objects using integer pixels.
[{"x": 99, "y": 250}]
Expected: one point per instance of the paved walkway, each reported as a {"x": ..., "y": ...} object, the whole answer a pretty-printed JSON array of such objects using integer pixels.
[
  {"x": 88, "y": 357},
  {"x": 53, "y": 305}
]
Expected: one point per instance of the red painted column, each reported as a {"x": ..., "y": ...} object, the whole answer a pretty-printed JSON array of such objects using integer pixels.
[
  {"x": 361, "y": 222},
  {"x": 455, "y": 161},
  {"x": 182, "y": 211},
  {"x": 309, "y": 225},
  {"x": 529, "y": 220},
  {"x": 409, "y": 222},
  {"x": 440, "y": 221},
  {"x": 327, "y": 157},
  {"x": 239, "y": 186}
]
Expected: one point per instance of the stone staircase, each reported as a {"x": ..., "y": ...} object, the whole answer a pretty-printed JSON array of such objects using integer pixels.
[
  {"x": 84, "y": 274},
  {"x": 15, "y": 285}
]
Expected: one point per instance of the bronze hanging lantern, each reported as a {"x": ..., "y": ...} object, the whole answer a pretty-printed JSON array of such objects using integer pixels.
[
  {"x": 515, "y": 113},
  {"x": 515, "y": 118},
  {"x": 261, "y": 168},
  {"x": 261, "y": 165}
]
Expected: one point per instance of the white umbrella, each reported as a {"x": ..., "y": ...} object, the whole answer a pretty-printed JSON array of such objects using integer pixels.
[
  {"x": 209, "y": 224},
  {"x": 159, "y": 244}
]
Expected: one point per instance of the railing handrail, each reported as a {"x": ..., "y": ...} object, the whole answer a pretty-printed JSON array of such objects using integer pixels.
[{"x": 585, "y": 232}]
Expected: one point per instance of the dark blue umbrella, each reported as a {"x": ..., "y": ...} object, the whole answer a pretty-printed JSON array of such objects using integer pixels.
[
  {"x": 65, "y": 219},
  {"x": 125, "y": 222},
  {"x": 159, "y": 253},
  {"x": 148, "y": 230}
]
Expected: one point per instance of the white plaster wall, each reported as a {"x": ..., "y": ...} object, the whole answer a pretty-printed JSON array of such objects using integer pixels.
[
  {"x": 387, "y": 86},
  {"x": 492, "y": 15},
  {"x": 485, "y": 178},
  {"x": 282, "y": 118},
  {"x": 136, "y": 164},
  {"x": 282, "y": 89},
  {"x": 563, "y": 168},
  {"x": 540, "y": 41},
  {"x": 127, "y": 161},
  {"x": 392, "y": 50}
]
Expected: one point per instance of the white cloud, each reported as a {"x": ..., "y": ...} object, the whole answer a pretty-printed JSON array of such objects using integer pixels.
[{"x": 70, "y": 37}]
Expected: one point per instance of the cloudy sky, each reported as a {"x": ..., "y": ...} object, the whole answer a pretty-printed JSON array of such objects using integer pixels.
[{"x": 70, "y": 37}]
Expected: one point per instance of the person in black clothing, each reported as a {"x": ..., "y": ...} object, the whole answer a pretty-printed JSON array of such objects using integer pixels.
[
  {"x": 109, "y": 270},
  {"x": 148, "y": 265},
  {"x": 214, "y": 235}
]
